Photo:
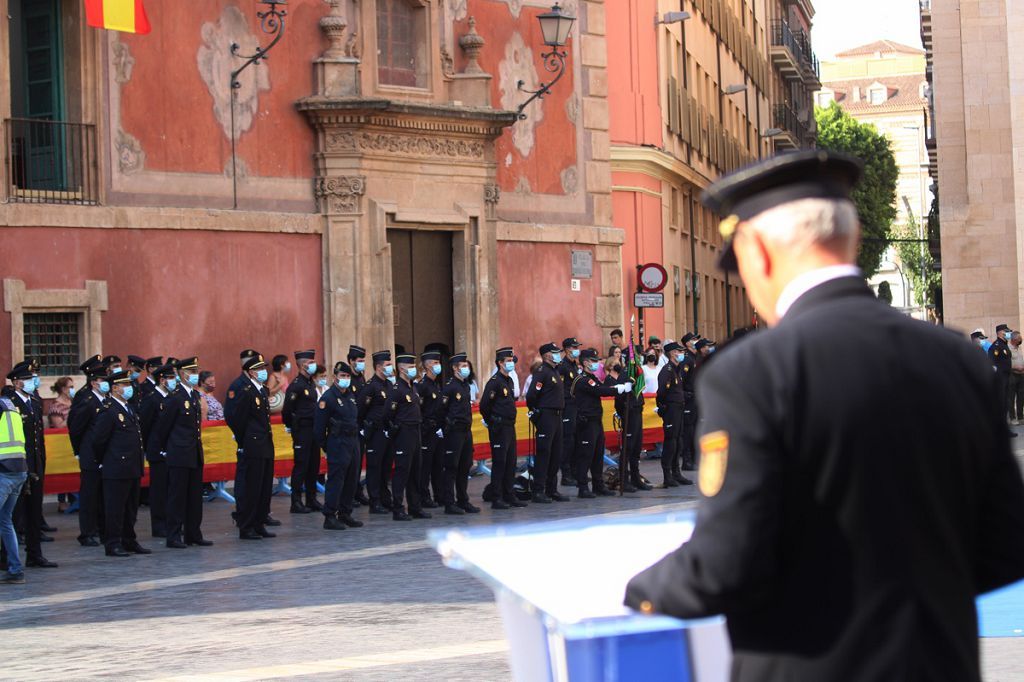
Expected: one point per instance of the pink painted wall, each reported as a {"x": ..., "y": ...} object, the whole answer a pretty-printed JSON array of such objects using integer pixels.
[{"x": 633, "y": 77}]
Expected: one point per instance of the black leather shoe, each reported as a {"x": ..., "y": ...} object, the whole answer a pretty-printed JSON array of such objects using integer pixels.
[
  {"x": 685, "y": 481},
  {"x": 500, "y": 504},
  {"x": 350, "y": 522},
  {"x": 264, "y": 533},
  {"x": 670, "y": 483},
  {"x": 569, "y": 481},
  {"x": 678, "y": 475},
  {"x": 249, "y": 535},
  {"x": 176, "y": 544},
  {"x": 516, "y": 503},
  {"x": 47, "y": 528},
  {"x": 629, "y": 488},
  {"x": 333, "y": 523},
  {"x": 559, "y": 497},
  {"x": 378, "y": 509},
  {"x": 89, "y": 542},
  {"x": 453, "y": 510},
  {"x": 271, "y": 521},
  {"x": 605, "y": 492},
  {"x": 136, "y": 548},
  {"x": 400, "y": 515},
  {"x": 45, "y": 538},
  {"x": 39, "y": 562},
  {"x": 541, "y": 498},
  {"x": 640, "y": 485},
  {"x": 428, "y": 503},
  {"x": 469, "y": 508},
  {"x": 314, "y": 506},
  {"x": 117, "y": 550},
  {"x": 420, "y": 514},
  {"x": 201, "y": 542},
  {"x": 299, "y": 509},
  {"x": 585, "y": 494},
  {"x": 362, "y": 499}
]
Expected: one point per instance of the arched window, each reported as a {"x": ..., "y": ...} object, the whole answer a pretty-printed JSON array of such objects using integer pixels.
[{"x": 401, "y": 49}]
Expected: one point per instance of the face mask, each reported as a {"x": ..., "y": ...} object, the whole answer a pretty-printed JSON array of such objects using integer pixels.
[
  {"x": 556, "y": 358},
  {"x": 389, "y": 371},
  {"x": 650, "y": 359},
  {"x": 29, "y": 388},
  {"x": 172, "y": 384},
  {"x": 617, "y": 369},
  {"x": 261, "y": 376},
  {"x": 71, "y": 392},
  {"x": 393, "y": 379},
  {"x": 115, "y": 369},
  {"x": 311, "y": 367},
  {"x": 510, "y": 366},
  {"x": 464, "y": 372},
  {"x": 411, "y": 372},
  {"x": 104, "y": 387},
  {"x": 287, "y": 366},
  {"x": 360, "y": 366},
  {"x": 135, "y": 375},
  {"x": 35, "y": 382},
  {"x": 436, "y": 369},
  {"x": 344, "y": 383},
  {"x": 594, "y": 366},
  {"x": 575, "y": 352},
  {"x": 193, "y": 379},
  {"x": 128, "y": 393},
  {"x": 321, "y": 382}
]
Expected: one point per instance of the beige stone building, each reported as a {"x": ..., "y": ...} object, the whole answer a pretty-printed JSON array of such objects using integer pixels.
[{"x": 978, "y": 80}]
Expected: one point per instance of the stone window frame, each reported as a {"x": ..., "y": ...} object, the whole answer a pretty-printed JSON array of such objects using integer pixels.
[
  {"x": 427, "y": 29},
  {"x": 90, "y": 302}
]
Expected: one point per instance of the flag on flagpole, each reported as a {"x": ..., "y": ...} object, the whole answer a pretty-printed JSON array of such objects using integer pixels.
[{"x": 117, "y": 15}]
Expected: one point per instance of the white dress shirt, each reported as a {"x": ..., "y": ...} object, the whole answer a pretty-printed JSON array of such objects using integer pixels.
[{"x": 801, "y": 284}]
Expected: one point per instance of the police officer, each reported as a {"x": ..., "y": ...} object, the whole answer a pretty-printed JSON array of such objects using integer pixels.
[
  {"x": 498, "y": 409},
  {"x": 373, "y": 418},
  {"x": 29, "y": 509},
  {"x": 357, "y": 361},
  {"x": 1002, "y": 361},
  {"x": 336, "y": 431},
  {"x": 116, "y": 441},
  {"x": 112, "y": 363},
  {"x": 630, "y": 408},
  {"x": 687, "y": 374},
  {"x": 165, "y": 383},
  {"x": 178, "y": 435},
  {"x": 545, "y": 399},
  {"x": 569, "y": 369},
  {"x": 432, "y": 449},
  {"x": 587, "y": 390},
  {"x": 298, "y": 412},
  {"x": 80, "y": 419},
  {"x": 671, "y": 402},
  {"x": 148, "y": 384},
  {"x": 456, "y": 416},
  {"x": 250, "y": 423},
  {"x": 406, "y": 420}
]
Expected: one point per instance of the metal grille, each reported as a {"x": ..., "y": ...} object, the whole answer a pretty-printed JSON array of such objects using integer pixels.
[
  {"x": 55, "y": 339},
  {"x": 51, "y": 162}
]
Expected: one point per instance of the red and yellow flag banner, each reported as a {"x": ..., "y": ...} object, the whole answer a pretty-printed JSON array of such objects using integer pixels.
[{"x": 117, "y": 15}]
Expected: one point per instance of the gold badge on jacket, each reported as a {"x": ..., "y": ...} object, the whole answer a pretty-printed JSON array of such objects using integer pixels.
[
  {"x": 121, "y": 417},
  {"x": 186, "y": 405},
  {"x": 408, "y": 398},
  {"x": 257, "y": 401},
  {"x": 504, "y": 392},
  {"x": 714, "y": 457},
  {"x": 323, "y": 404}
]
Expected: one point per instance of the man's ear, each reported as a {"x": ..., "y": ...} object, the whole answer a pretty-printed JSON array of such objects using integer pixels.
[{"x": 754, "y": 253}]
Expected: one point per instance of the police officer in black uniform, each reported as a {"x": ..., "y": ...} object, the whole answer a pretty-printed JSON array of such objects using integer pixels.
[
  {"x": 686, "y": 370},
  {"x": 498, "y": 409},
  {"x": 80, "y": 419},
  {"x": 569, "y": 368},
  {"x": 29, "y": 509},
  {"x": 406, "y": 420},
  {"x": 630, "y": 408},
  {"x": 136, "y": 366},
  {"x": 999, "y": 353},
  {"x": 432, "y": 449},
  {"x": 671, "y": 402},
  {"x": 373, "y": 420},
  {"x": 116, "y": 441},
  {"x": 149, "y": 410},
  {"x": 250, "y": 423},
  {"x": 546, "y": 399},
  {"x": 587, "y": 390},
  {"x": 148, "y": 385},
  {"x": 297, "y": 414},
  {"x": 336, "y": 430},
  {"x": 456, "y": 416},
  {"x": 357, "y": 362},
  {"x": 178, "y": 434}
]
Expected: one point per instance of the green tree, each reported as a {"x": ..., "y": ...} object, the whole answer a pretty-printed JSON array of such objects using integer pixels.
[
  {"x": 885, "y": 292},
  {"x": 918, "y": 264},
  {"x": 875, "y": 194}
]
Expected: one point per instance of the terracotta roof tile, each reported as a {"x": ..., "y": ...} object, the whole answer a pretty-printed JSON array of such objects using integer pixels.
[
  {"x": 903, "y": 91},
  {"x": 883, "y": 46}
]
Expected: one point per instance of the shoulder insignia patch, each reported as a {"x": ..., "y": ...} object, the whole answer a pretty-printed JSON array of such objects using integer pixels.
[
  {"x": 591, "y": 382},
  {"x": 539, "y": 385},
  {"x": 231, "y": 394},
  {"x": 323, "y": 404},
  {"x": 714, "y": 458}
]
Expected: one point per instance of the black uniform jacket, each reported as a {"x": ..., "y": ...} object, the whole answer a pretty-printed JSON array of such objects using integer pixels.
[
  {"x": 299, "y": 404},
  {"x": 116, "y": 439},
  {"x": 860, "y": 492},
  {"x": 456, "y": 407},
  {"x": 430, "y": 402},
  {"x": 250, "y": 421},
  {"x": 569, "y": 370},
  {"x": 80, "y": 419},
  {"x": 404, "y": 404},
  {"x": 178, "y": 430},
  {"x": 999, "y": 352},
  {"x": 670, "y": 386},
  {"x": 336, "y": 418},
  {"x": 149, "y": 410},
  {"x": 32, "y": 418},
  {"x": 588, "y": 390},
  {"x": 373, "y": 404},
  {"x": 547, "y": 390},
  {"x": 497, "y": 402}
]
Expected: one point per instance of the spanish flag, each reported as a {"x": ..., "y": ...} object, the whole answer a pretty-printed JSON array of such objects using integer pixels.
[{"x": 117, "y": 15}]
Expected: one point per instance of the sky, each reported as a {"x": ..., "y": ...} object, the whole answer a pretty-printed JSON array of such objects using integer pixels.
[{"x": 841, "y": 24}]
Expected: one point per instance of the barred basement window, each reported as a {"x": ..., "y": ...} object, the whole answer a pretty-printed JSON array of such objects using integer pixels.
[{"x": 55, "y": 338}]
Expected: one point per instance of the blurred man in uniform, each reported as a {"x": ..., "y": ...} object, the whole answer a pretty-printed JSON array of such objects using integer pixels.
[
  {"x": 250, "y": 424},
  {"x": 498, "y": 409},
  {"x": 671, "y": 403},
  {"x": 546, "y": 399},
  {"x": 856, "y": 501},
  {"x": 456, "y": 416},
  {"x": 432, "y": 445},
  {"x": 336, "y": 430},
  {"x": 298, "y": 412},
  {"x": 406, "y": 421},
  {"x": 569, "y": 368}
]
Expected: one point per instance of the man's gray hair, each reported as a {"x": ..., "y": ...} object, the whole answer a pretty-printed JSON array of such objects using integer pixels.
[{"x": 830, "y": 222}]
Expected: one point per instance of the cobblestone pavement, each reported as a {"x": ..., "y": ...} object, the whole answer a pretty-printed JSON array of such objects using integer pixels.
[{"x": 373, "y": 603}]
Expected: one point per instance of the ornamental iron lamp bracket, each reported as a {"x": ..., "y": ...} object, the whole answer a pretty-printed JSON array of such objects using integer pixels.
[{"x": 555, "y": 27}]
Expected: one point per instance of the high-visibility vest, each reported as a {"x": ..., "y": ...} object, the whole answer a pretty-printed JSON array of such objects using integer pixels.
[{"x": 12, "y": 435}]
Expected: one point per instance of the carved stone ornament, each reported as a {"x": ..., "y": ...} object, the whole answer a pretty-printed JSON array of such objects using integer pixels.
[
  {"x": 406, "y": 145},
  {"x": 471, "y": 43},
  {"x": 122, "y": 61},
  {"x": 340, "y": 194},
  {"x": 333, "y": 26},
  {"x": 130, "y": 156},
  {"x": 492, "y": 193}
]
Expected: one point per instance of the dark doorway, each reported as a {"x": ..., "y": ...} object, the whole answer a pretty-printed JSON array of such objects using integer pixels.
[{"x": 421, "y": 286}]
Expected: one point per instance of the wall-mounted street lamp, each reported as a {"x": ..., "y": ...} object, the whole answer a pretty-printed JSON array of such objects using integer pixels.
[
  {"x": 271, "y": 23},
  {"x": 734, "y": 89},
  {"x": 671, "y": 18},
  {"x": 555, "y": 27}
]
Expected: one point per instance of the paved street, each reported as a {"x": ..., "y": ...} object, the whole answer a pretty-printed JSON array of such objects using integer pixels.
[{"x": 367, "y": 604}]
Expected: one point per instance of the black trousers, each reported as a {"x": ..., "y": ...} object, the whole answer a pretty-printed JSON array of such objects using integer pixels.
[
  {"x": 305, "y": 466},
  {"x": 1015, "y": 402},
  {"x": 257, "y": 484},
  {"x": 407, "y": 467},
  {"x": 158, "y": 497},
  {"x": 549, "y": 452},
  {"x": 589, "y": 452},
  {"x": 90, "y": 505},
  {"x": 239, "y": 478},
  {"x": 634, "y": 441},
  {"x": 377, "y": 447},
  {"x": 458, "y": 458},
  {"x": 503, "y": 460},
  {"x": 569, "y": 458},
  {"x": 672, "y": 422},
  {"x": 343, "y": 460},
  {"x": 120, "y": 505},
  {"x": 28, "y": 516},
  {"x": 184, "y": 503},
  {"x": 431, "y": 464},
  {"x": 687, "y": 441}
]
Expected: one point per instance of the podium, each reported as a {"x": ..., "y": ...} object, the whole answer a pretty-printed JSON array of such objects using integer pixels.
[{"x": 559, "y": 587}]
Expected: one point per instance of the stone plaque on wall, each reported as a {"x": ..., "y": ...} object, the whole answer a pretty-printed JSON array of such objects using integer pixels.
[{"x": 582, "y": 264}]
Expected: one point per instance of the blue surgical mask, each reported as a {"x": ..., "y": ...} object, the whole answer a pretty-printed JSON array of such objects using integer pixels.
[
  {"x": 389, "y": 370},
  {"x": 193, "y": 379},
  {"x": 287, "y": 366},
  {"x": 393, "y": 379},
  {"x": 115, "y": 369},
  {"x": 411, "y": 372},
  {"x": 594, "y": 366},
  {"x": 510, "y": 366},
  {"x": 172, "y": 384},
  {"x": 71, "y": 392},
  {"x": 311, "y": 368},
  {"x": 135, "y": 375},
  {"x": 35, "y": 381},
  {"x": 575, "y": 352},
  {"x": 104, "y": 387},
  {"x": 464, "y": 372},
  {"x": 129, "y": 391},
  {"x": 261, "y": 376},
  {"x": 29, "y": 387},
  {"x": 344, "y": 383},
  {"x": 360, "y": 366},
  {"x": 436, "y": 369},
  {"x": 556, "y": 358},
  {"x": 321, "y": 382}
]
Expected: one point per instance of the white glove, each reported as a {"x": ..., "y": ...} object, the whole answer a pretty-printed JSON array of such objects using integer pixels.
[
  {"x": 440, "y": 433},
  {"x": 655, "y": 410},
  {"x": 629, "y": 384},
  {"x": 622, "y": 388},
  {"x": 362, "y": 433},
  {"x": 484, "y": 422},
  {"x": 287, "y": 430}
]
